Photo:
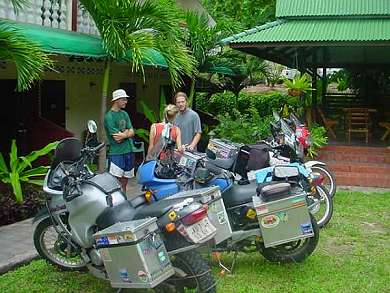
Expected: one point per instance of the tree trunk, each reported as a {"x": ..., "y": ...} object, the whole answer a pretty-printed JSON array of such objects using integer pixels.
[
  {"x": 192, "y": 92},
  {"x": 103, "y": 110}
]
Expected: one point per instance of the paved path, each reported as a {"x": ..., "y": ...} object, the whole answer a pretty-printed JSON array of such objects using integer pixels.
[{"x": 16, "y": 239}]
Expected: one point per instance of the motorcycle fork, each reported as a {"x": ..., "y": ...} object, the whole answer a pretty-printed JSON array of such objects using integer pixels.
[{"x": 65, "y": 233}]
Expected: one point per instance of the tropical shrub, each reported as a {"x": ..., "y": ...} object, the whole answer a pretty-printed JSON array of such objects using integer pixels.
[
  {"x": 319, "y": 139},
  {"x": 299, "y": 84},
  {"x": 242, "y": 128},
  {"x": 20, "y": 169},
  {"x": 264, "y": 103}
]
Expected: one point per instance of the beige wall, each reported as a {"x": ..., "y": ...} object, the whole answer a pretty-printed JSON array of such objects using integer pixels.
[{"x": 83, "y": 82}]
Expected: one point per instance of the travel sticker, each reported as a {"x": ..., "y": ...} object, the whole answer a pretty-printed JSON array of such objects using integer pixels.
[
  {"x": 262, "y": 209},
  {"x": 102, "y": 240},
  {"x": 161, "y": 256},
  {"x": 112, "y": 240},
  {"x": 270, "y": 221},
  {"x": 124, "y": 275},
  {"x": 221, "y": 217},
  {"x": 283, "y": 217},
  {"x": 143, "y": 276},
  {"x": 128, "y": 236},
  {"x": 306, "y": 228}
]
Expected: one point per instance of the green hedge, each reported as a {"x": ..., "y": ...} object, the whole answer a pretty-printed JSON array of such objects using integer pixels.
[{"x": 264, "y": 103}]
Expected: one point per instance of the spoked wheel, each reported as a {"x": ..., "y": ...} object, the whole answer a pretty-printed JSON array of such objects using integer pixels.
[
  {"x": 295, "y": 251},
  {"x": 329, "y": 180},
  {"x": 192, "y": 271},
  {"x": 55, "y": 249},
  {"x": 321, "y": 206}
]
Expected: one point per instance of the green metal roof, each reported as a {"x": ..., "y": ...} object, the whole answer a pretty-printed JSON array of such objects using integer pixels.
[
  {"x": 305, "y": 8},
  {"x": 64, "y": 42},
  {"x": 316, "y": 30}
]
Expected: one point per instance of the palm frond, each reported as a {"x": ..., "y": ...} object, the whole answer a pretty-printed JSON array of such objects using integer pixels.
[
  {"x": 136, "y": 27},
  {"x": 19, "y": 4},
  {"x": 28, "y": 57}
]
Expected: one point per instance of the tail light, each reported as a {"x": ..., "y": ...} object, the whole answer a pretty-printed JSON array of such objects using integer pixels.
[
  {"x": 195, "y": 216},
  {"x": 317, "y": 179}
]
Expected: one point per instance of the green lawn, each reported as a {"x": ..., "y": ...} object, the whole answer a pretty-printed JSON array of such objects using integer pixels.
[{"x": 353, "y": 256}]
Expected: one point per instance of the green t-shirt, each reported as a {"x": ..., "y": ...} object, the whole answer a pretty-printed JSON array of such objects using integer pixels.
[{"x": 114, "y": 122}]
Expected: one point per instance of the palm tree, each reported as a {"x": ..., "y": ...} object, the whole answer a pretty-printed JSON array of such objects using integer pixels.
[
  {"x": 29, "y": 59},
  {"x": 137, "y": 28},
  {"x": 202, "y": 39}
]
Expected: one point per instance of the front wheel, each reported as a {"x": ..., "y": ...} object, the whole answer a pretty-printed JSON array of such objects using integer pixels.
[
  {"x": 291, "y": 252},
  {"x": 329, "y": 180},
  {"x": 54, "y": 248},
  {"x": 321, "y": 206}
]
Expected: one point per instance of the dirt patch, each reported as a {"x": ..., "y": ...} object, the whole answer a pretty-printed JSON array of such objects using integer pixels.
[
  {"x": 374, "y": 228},
  {"x": 262, "y": 88},
  {"x": 332, "y": 245}
]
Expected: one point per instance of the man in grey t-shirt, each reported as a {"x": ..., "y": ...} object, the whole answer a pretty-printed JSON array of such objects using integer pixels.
[{"x": 188, "y": 121}]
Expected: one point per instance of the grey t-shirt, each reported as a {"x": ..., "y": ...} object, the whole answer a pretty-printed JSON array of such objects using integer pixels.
[{"x": 189, "y": 124}]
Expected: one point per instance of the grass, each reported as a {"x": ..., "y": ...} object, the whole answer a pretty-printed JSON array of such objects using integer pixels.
[{"x": 353, "y": 256}]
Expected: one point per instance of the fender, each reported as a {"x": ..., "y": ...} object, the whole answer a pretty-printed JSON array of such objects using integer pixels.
[
  {"x": 41, "y": 215},
  {"x": 310, "y": 164}
]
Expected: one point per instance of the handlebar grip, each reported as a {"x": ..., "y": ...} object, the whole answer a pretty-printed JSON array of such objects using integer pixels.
[
  {"x": 99, "y": 147},
  {"x": 212, "y": 168}
]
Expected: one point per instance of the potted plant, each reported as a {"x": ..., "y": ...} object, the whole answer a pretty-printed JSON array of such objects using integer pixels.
[{"x": 298, "y": 85}]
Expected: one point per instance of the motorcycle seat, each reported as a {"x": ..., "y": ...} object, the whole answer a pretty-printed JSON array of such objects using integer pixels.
[
  {"x": 111, "y": 215},
  {"x": 273, "y": 190},
  {"x": 155, "y": 209},
  {"x": 239, "y": 194}
]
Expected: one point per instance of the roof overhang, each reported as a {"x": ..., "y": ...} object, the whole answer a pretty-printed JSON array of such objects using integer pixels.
[
  {"x": 319, "y": 42},
  {"x": 62, "y": 42}
]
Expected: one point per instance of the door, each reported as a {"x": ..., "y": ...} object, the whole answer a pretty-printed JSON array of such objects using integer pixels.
[
  {"x": 53, "y": 101},
  {"x": 16, "y": 115}
]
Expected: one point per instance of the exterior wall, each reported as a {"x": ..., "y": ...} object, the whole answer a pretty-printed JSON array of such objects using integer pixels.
[{"x": 83, "y": 87}]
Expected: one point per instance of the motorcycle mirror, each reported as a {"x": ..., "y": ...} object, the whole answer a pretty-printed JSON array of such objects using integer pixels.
[
  {"x": 92, "y": 126},
  {"x": 210, "y": 154}
]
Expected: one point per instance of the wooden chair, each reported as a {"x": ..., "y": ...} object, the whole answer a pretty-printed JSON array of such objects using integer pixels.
[
  {"x": 387, "y": 126},
  {"x": 328, "y": 123},
  {"x": 358, "y": 121}
]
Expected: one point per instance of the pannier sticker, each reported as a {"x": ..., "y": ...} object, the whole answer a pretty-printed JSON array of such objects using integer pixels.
[
  {"x": 128, "y": 236},
  {"x": 102, "y": 240},
  {"x": 306, "y": 228},
  {"x": 112, "y": 240},
  {"x": 124, "y": 275},
  {"x": 143, "y": 276},
  {"x": 270, "y": 221},
  {"x": 283, "y": 217},
  {"x": 262, "y": 209},
  {"x": 221, "y": 217},
  {"x": 162, "y": 257}
]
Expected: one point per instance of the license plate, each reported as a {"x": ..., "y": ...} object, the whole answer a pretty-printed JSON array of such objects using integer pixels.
[{"x": 200, "y": 231}]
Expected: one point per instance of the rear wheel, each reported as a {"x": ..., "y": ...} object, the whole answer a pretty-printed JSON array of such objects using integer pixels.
[
  {"x": 191, "y": 271},
  {"x": 55, "y": 248},
  {"x": 291, "y": 252},
  {"x": 329, "y": 180}
]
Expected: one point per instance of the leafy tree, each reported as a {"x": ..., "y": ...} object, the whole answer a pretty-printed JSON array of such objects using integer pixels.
[
  {"x": 248, "y": 13},
  {"x": 137, "y": 28},
  {"x": 28, "y": 57}
]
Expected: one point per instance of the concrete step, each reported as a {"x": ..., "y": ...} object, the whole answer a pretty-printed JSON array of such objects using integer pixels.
[
  {"x": 355, "y": 157},
  {"x": 362, "y": 179},
  {"x": 355, "y": 149}
]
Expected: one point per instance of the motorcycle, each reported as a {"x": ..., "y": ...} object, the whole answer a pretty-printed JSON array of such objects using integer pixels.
[
  {"x": 297, "y": 149},
  {"x": 89, "y": 223},
  {"x": 262, "y": 219}
]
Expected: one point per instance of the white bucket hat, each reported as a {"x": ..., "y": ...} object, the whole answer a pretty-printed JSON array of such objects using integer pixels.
[{"x": 117, "y": 94}]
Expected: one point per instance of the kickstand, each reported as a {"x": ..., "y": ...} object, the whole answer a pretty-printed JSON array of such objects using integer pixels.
[{"x": 224, "y": 268}]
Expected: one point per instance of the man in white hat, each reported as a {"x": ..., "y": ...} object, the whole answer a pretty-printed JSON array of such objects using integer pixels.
[{"x": 119, "y": 132}]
